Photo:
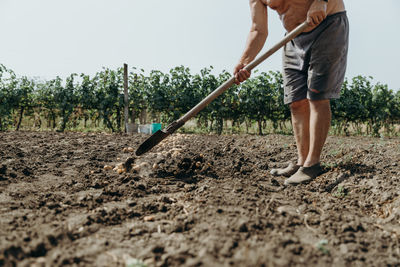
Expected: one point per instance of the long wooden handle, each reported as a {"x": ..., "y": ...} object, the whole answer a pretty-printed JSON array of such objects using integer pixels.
[{"x": 226, "y": 85}]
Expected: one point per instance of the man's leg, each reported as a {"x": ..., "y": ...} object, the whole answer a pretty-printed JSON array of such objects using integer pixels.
[
  {"x": 319, "y": 123},
  {"x": 300, "y": 111}
]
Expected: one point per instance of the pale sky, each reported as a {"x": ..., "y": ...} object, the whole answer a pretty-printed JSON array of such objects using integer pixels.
[{"x": 47, "y": 38}]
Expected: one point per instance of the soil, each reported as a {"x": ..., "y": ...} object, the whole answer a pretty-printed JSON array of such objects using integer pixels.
[{"x": 195, "y": 200}]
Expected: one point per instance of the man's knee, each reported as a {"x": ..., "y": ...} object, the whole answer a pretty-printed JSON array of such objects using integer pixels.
[
  {"x": 299, "y": 106},
  {"x": 319, "y": 103}
]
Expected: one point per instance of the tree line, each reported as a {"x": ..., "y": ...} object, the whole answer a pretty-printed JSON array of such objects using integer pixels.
[{"x": 91, "y": 101}]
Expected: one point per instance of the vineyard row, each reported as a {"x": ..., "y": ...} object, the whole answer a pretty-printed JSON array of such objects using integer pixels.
[{"x": 364, "y": 106}]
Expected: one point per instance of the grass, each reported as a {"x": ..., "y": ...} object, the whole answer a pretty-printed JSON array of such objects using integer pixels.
[
  {"x": 192, "y": 127},
  {"x": 341, "y": 192},
  {"x": 321, "y": 246}
]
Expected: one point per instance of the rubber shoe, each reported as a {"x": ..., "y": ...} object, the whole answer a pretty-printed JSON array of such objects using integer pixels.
[
  {"x": 288, "y": 171},
  {"x": 304, "y": 175}
]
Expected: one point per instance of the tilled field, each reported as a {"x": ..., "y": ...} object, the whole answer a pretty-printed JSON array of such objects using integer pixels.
[{"x": 195, "y": 200}]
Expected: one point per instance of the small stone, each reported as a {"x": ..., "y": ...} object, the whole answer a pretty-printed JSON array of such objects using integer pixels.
[
  {"x": 136, "y": 168},
  {"x": 120, "y": 171},
  {"x": 149, "y": 218},
  {"x": 107, "y": 167}
]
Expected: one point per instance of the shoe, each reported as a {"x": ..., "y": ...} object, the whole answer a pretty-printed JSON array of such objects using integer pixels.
[
  {"x": 304, "y": 175},
  {"x": 288, "y": 171}
]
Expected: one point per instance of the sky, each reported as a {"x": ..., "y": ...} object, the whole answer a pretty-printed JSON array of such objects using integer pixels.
[{"x": 46, "y": 38}]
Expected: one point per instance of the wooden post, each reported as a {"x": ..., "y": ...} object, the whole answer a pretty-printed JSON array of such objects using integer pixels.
[{"x": 126, "y": 98}]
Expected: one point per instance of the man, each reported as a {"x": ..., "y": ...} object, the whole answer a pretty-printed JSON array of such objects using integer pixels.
[{"x": 314, "y": 65}]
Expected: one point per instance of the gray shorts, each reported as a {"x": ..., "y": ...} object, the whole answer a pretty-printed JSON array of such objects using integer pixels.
[{"x": 314, "y": 63}]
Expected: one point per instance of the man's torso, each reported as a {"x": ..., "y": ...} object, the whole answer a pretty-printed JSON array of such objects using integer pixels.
[{"x": 294, "y": 12}]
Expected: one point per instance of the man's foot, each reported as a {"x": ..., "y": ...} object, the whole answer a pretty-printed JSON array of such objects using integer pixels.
[
  {"x": 304, "y": 175},
  {"x": 288, "y": 171}
]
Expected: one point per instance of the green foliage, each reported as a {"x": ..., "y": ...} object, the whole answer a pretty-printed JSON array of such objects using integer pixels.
[
  {"x": 23, "y": 97},
  {"x": 224, "y": 106},
  {"x": 138, "y": 87},
  {"x": 382, "y": 108},
  {"x": 321, "y": 246},
  {"x": 363, "y": 106},
  {"x": 65, "y": 99},
  {"x": 261, "y": 99},
  {"x": 341, "y": 192},
  {"x": 45, "y": 98},
  {"x": 255, "y": 99},
  {"x": 204, "y": 84},
  {"x": 109, "y": 99},
  {"x": 181, "y": 93},
  {"x": 363, "y": 103},
  {"x": 158, "y": 95},
  {"x": 8, "y": 98}
]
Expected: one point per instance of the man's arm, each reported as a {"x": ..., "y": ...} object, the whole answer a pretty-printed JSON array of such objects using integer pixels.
[{"x": 255, "y": 40}]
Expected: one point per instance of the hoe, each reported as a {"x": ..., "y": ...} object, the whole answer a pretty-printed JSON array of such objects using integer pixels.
[{"x": 160, "y": 135}]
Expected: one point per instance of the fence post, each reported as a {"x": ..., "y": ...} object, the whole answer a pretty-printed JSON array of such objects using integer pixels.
[{"x": 126, "y": 98}]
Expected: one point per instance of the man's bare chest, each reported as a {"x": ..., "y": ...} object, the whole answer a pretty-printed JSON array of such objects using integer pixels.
[
  {"x": 278, "y": 5},
  {"x": 282, "y": 6}
]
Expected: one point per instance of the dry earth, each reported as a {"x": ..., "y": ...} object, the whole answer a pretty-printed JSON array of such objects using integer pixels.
[{"x": 195, "y": 200}]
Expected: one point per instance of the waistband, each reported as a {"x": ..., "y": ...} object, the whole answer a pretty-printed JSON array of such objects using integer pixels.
[
  {"x": 338, "y": 14},
  {"x": 326, "y": 20}
]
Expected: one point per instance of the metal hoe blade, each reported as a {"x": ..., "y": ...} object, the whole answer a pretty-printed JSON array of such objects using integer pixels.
[
  {"x": 157, "y": 137},
  {"x": 151, "y": 142}
]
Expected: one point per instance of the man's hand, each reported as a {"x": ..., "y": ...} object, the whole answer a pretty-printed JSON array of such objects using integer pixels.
[
  {"x": 240, "y": 73},
  {"x": 317, "y": 13}
]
